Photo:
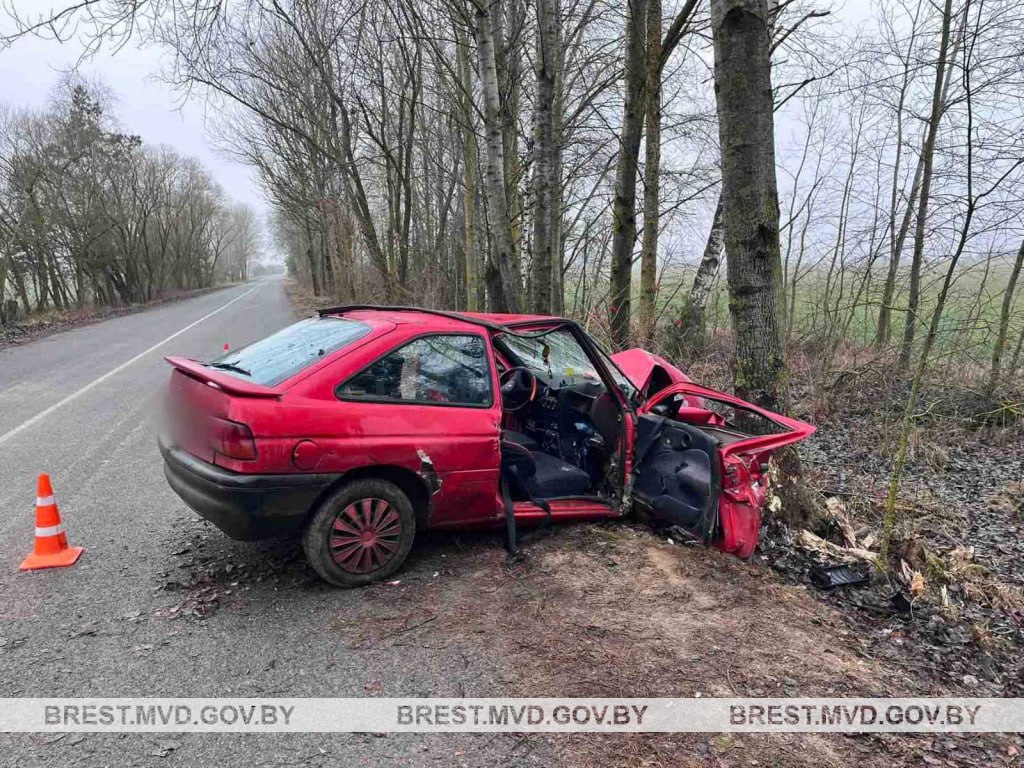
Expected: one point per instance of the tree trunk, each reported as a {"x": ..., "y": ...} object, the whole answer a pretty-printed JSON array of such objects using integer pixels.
[
  {"x": 558, "y": 193},
  {"x": 750, "y": 205},
  {"x": 408, "y": 144},
  {"x": 896, "y": 239},
  {"x": 624, "y": 205},
  {"x": 314, "y": 268},
  {"x": 4, "y": 260},
  {"x": 507, "y": 18},
  {"x": 884, "y": 330},
  {"x": 544, "y": 229},
  {"x": 907, "y": 422},
  {"x": 692, "y": 329},
  {"x": 899, "y": 237},
  {"x": 470, "y": 250},
  {"x": 652, "y": 173},
  {"x": 1015, "y": 360},
  {"x": 357, "y": 194},
  {"x": 920, "y": 228},
  {"x": 17, "y": 277},
  {"x": 504, "y": 288},
  {"x": 1004, "y": 323}
]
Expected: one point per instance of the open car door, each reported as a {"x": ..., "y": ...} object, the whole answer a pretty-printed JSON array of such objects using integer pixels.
[{"x": 700, "y": 462}]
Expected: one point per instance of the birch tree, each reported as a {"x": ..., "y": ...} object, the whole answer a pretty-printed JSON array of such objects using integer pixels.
[{"x": 505, "y": 282}]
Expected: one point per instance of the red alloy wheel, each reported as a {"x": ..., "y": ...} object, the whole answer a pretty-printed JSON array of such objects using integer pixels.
[{"x": 365, "y": 535}]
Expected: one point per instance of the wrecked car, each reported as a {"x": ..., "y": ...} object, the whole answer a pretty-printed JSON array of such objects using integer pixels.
[{"x": 364, "y": 425}]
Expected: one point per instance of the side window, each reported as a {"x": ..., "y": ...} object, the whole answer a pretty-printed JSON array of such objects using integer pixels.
[{"x": 450, "y": 370}]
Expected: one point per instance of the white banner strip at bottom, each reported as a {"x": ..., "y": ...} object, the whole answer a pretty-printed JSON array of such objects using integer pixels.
[{"x": 493, "y": 715}]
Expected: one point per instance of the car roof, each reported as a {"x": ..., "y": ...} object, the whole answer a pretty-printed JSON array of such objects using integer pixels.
[
  {"x": 500, "y": 319},
  {"x": 436, "y": 318}
]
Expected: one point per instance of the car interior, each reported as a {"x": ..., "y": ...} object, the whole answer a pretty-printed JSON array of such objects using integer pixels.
[
  {"x": 561, "y": 427},
  {"x": 727, "y": 423}
]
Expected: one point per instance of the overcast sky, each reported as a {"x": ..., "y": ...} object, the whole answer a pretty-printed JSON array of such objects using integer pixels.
[{"x": 31, "y": 69}]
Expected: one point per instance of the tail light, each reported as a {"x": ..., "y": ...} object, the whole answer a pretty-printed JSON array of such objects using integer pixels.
[{"x": 231, "y": 439}]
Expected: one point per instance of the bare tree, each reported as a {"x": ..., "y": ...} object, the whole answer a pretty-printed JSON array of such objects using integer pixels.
[
  {"x": 750, "y": 207},
  {"x": 924, "y": 195},
  {"x": 545, "y": 157},
  {"x": 1005, "y": 313},
  {"x": 624, "y": 205}
]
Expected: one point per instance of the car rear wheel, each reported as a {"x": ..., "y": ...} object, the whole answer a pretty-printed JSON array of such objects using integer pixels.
[{"x": 360, "y": 533}]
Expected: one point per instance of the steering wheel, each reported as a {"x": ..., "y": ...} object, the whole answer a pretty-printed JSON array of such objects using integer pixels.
[{"x": 517, "y": 384}]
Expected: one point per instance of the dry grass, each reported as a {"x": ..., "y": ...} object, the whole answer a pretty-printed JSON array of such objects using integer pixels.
[{"x": 303, "y": 300}]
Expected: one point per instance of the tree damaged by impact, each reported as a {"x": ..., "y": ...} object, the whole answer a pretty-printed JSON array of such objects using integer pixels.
[{"x": 365, "y": 424}]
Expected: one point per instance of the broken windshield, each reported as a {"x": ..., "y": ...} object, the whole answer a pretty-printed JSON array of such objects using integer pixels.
[
  {"x": 558, "y": 354},
  {"x": 276, "y": 358}
]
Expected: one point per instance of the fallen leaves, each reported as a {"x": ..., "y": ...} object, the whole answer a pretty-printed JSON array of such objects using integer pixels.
[
  {"x": 917, "y": 584},
  {"x": 200, "y": 602},
  {"x": 913, "y": 579}
]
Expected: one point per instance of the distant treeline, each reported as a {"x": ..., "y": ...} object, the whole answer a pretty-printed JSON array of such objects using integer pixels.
[{"x": 91, "y": 216}]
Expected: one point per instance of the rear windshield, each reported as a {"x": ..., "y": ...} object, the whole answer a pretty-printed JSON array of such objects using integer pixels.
[{"x": 276, "y": 358}]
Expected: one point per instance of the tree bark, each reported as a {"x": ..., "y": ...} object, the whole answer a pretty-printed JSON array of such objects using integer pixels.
[
  {"x": 507, "y": 20},
  {"x": 1015, "y": 360},
  {"x": 624, "y": 205},
  {"x": 652, "y": 173},
  {"x": 3, "y": 286},
  {"x": 471, "y": 256},
  {"x": 558, "y": 195},
  {"x": 692, "y": 329},
  {"x": 710, "y": 262},
  {"x": 545, "y": 229},
  {"x": 750, "y": 205},
  {"x": 504, "y": 289}
]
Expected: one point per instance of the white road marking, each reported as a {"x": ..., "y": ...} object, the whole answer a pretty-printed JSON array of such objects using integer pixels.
[{"x": 96, "y": 382}]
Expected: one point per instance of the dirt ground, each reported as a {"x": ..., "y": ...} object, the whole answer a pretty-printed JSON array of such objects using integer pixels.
[
  {"x": 616, "y": 610},
  {"x": 602, "y": 611}
]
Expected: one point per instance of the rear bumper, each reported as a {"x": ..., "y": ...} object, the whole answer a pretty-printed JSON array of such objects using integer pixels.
[{"x": 245, "y": 507}]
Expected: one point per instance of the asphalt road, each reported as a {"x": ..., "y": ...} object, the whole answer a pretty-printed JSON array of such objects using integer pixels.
[{"x": 162, "y": 604}]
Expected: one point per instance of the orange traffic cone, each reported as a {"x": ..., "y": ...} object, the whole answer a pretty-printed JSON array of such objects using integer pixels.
[{"x": 51, "y": 550}]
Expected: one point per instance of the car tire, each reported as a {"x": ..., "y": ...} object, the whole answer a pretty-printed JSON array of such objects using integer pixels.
[{"x": 336, "y": 541}]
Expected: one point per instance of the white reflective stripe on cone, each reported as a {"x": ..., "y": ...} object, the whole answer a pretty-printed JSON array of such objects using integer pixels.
[
  {"x": 50, "y": 530},
  {"x": 44, "y": 501}
]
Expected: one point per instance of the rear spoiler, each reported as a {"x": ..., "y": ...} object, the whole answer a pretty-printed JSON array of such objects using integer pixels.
[{"x": 220, "y": 379}]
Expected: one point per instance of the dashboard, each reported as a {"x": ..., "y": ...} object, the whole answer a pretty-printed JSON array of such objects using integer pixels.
[
  {"x": 574, "y": 392},
  {"x": 566, "y": 415}
]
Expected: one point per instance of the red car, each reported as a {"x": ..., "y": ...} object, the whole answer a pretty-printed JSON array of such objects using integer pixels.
[{"x": 366, "y": 424}]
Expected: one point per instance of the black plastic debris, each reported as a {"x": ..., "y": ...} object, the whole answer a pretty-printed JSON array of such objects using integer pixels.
[
  {"x": 901, "y": 602},
  {"x": 833, "y": 576}
]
